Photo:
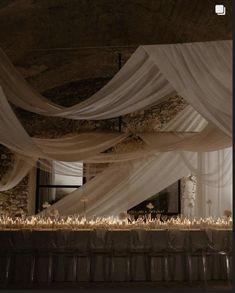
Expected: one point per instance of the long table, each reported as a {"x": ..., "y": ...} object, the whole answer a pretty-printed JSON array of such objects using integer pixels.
[{"x": 117, "y": 255}]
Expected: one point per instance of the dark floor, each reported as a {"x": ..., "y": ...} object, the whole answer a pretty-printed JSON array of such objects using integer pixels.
[{"x": 149, "y": 286}]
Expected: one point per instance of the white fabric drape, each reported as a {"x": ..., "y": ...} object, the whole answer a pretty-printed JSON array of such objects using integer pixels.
[
  {"x": 213, "y": 168},
  {"x": 12, "y": 133},
  {"x": 85, "y": 145},
  {"x": 214, "y": 191},
  {"x": 131, "y": 183},
  {"x": 78, "y": 147},
  {"x": 166, "y": 163},
  {"x": 18, "y": 171},
  {"x": 68, "y": 148},
  {"x": 187, "y": 120},
  {"x": 138, "y": 84},
  {"x": 209, "y": 139},
  {"x": 128, "y": 185},
  {"x": 138, "y": 180},
  {"x": 200, "y": 72}
]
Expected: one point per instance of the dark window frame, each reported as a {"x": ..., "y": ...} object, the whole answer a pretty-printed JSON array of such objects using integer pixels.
[
  {"x": 130, "y": 211},
  {"x": 39, "y": 186}
]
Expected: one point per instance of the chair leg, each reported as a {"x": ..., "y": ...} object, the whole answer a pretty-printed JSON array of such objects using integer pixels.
[
  {"x": 66, "y": 266},
  {"x": 50, "y": 265},
  {"x": 104, "y": 268},
  {"x": 190, "y": 268},
  {"x": 128, "y": 269},
  {"x": 166, "y": 269},
  {"x": 131, "y": 263},
  {"x": 147, "y": 269},
  {"x": 55, "y": 266},
  {"x": 92, "y": 267},
  {"x": 8, "y": 265},
  {"x": 151, "y": 267},
  {"x": 204, "y": 264},
  {"x": 74, "y": 267},
  {"x": 173, "y": 268},
  {"x": 111, "y": 268},
  {"x": 227, "y": 269},
  {"x": 32, "y": 269},
  {"x": 88, "y": 264}
]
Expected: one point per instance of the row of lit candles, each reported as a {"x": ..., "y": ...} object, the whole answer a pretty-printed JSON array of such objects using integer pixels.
[{"x": 76, "y": 222}]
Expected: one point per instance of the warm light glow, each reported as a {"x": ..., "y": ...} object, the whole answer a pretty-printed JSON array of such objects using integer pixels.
[{"x": 78, "y": 222}]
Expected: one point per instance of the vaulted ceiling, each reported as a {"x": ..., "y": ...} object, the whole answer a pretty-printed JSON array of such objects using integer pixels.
[{"x": 53, "y": 42}]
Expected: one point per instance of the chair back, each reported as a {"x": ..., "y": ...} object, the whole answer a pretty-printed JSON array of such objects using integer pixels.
[
  {"x": 178, "y": 240},
  {"x": 159, "y": 240},
  {"x": 99, "y": 241},
  {"x": 199, "y": 240},
  {"x": 79, "y": 240},
  {"x": 43, "y": 240},
  {"x": 6, "y": 240},
  {"x": 22, "y": 240},
  {"x": 120, "y": 240},
  {"x": 139, "y": 239}
]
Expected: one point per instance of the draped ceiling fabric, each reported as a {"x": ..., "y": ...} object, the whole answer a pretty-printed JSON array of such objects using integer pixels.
[
  {"x": 135, "y": 181},
  {"x": 19, "y": 170},
  {"x": 209, "y": 139},
  {"x": 127, "y": 186},
  {"x": 87, "y": 147},
  {"x": 70, "y": 148},
  {"x": 216, "y": 188},
  {"x": 130, "y": 184},
  {"x": 200, "y": 72},
  {"x": 188, "y": 120}
]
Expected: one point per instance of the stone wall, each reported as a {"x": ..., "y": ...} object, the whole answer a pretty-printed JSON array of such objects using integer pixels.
[{"x": 15, "y": 201}]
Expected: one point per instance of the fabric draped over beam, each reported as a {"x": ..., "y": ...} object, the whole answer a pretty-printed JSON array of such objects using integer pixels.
[
  {"x": 70, "y": 148},
  {"x": 87, "y": 147},
  {"x": 127, "y": 186},
  {"x": 209, "y": 139},
  {"x": 19, "y": 170},
  {"x": 188, "y": 120},
  {"x": 137, "y": 85},
  {"x": 78, "y": 147},
  {"x": 135, "y": 181},
  {"x": 200, "y": 72}
]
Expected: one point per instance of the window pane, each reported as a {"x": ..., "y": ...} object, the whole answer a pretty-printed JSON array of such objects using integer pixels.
[
  {"x": 52, "y": 195},
  {"x": 67, "y": 180}
]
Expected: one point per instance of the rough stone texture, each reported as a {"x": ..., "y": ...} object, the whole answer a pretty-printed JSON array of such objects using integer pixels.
[
  {"x": 61, "y": 23},
  {"x": 56, "y": 41},
  {"x": 13, "y": 202}
]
